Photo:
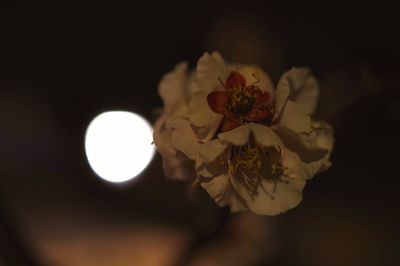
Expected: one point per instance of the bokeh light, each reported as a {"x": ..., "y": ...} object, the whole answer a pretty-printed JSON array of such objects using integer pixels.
[{"x": 118, "y": 145}]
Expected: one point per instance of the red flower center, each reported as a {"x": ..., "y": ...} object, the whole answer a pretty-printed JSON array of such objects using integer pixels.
[{"x": 240, "y": 103}]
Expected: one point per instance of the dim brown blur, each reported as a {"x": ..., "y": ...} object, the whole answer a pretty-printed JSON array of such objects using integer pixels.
[{"x": 62, "y": 64}]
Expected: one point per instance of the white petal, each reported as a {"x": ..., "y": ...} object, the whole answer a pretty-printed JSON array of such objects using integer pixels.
[
  {"x": 294, "y": 167},
  {"x": 309, "y": 156},
  {"x": 300, "y": 86},
  {"x": 305, "y": 145},
  {"x": 184, "y": 139},
  {"x": 175, "y": 165},
  {"x": 265, "y": 135},
  {"x": 180, "y": 111},
  {"x": 210, "y": 151},
  {"x": 192, "y": 86},
  {"x": 281, "y": 96},
  {"x": 161, "y": 137},
  {"x": 271, "y": 199},
  {"x": 172, "y": 87},
  {"x": 206, "y": 133},
  {"x": 199, "y": 113},
  {"x": 211, "y": 68},
  {"x": 325, "y": 140},
  {"x": 301, "y": 155},
  {"x": 207, "y": 163},
  {"x": 294, "y": 118},
  {"x": 237, "y": 136},
  {"x": 307, "y": 93},
  {"x": 221, "y": 190},
  {"x": 255, "y": 75}
]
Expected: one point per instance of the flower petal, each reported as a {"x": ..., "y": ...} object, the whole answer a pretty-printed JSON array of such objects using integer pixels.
[
  {"x": 237, "y": 136},
  {"x": 172, "y": 87},
  {"x": 175, "y": 165},
  {"x": 294, "y": 168},
  {"x": 272, "y": 198},
  {"x": 228, "y": 124},
  {"x": 184, "y": 139},
  {"x": 210, "y": 151},
  {"x": 217, "y": 101},
  {"x": 302, "y": 156},
  {"x": 281, "y": 96},
  {"x": 294, "y": 118},
  {"x": 325, "y": 137},
  {"x": 305, "y": 90},
  {"x": 305, "y": 145},
  {"x": 180, "y": 111},
  {"x": 265, "y": 135},
  {"x": 300, "y": 86},
  {"x": 199, "y": 112},
  {"x": 235, "y": 80},
  {"x": 207, "y": 163},
  {"x": 221, "y": 190},
  {"x": 325, "y": 140},
  {"x": 161, "y": 137},
  {"x": 210, "y": 70}
]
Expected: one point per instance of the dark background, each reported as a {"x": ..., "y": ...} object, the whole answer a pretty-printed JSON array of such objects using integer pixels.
[{"x": 62, "y": 64}]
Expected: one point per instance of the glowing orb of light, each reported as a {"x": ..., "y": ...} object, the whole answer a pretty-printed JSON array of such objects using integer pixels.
[{"x": 118, "y": 145}]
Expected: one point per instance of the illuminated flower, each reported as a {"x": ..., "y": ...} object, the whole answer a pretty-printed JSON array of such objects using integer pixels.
[
  {"x": 252, "y": 146},
  {"x": 266, "y": 145}
]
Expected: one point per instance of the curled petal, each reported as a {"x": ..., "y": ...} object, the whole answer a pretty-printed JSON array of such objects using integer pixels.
[
  {"x": 210, "y": 70},
  {"x": 292, "y": 117},
  {"x": 305, "y": 145},
  {"x": 281, "y": 96},
  {"x": 304, "y": 88},
  {"x": 303, "y": 157},
  {"x": 300, "y": 86},
  {"x": 221, "y": 190},
  {"x": 161, "y": 137},
  {"x": 184, "y": 139},
  {"x": 325, "y": 140},
  {"x": 172, "y": 87},
  {"x": 176, "y": 166},
  {"x": 294, "y": 168}
]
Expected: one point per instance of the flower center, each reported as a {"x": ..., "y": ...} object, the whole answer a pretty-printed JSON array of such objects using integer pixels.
[
  {"x": 240, "y": 102},
  {"x": 252, "y": 163}
]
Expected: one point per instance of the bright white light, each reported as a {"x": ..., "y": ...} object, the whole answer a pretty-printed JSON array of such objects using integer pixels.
[{"x": 119, "y": 145}]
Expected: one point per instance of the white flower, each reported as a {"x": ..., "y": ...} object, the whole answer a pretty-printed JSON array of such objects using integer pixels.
[
  {"x": 252, "y": 146},
  {"x": 267, "y": 145}
]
